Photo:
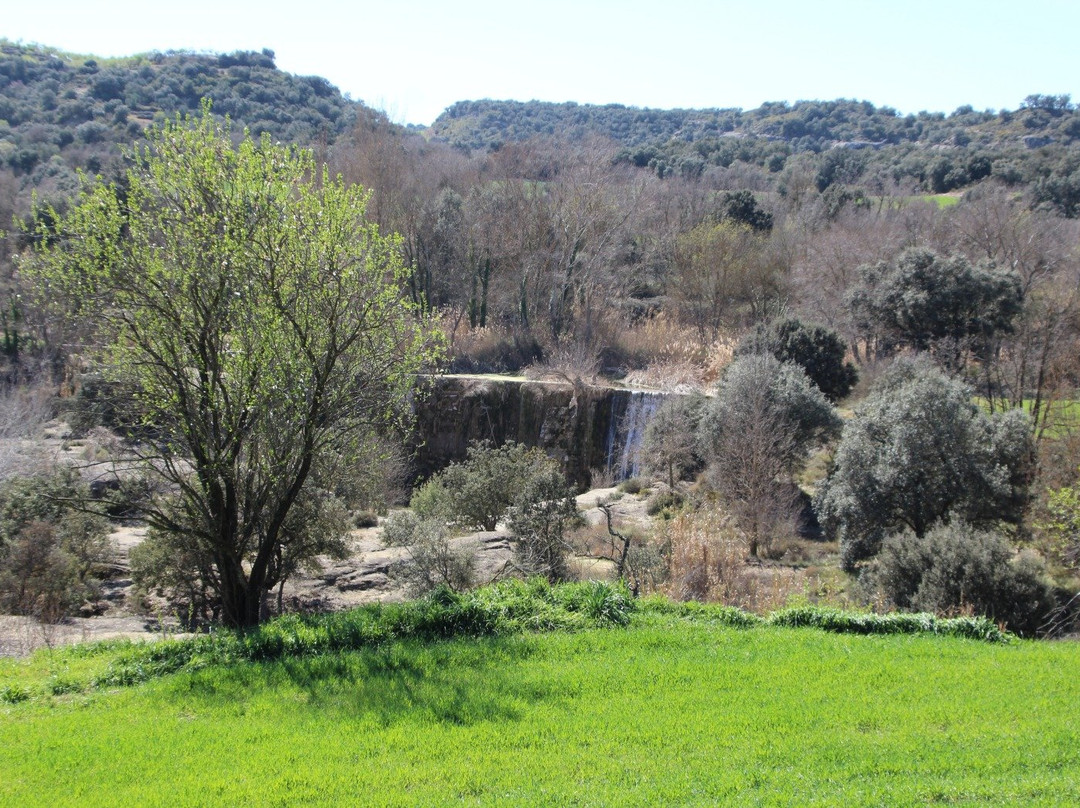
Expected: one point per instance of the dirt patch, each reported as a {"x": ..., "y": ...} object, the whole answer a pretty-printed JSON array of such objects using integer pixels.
[{"x": 364, "y": 577}]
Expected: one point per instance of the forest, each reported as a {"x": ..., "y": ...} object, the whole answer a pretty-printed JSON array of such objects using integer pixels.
[{"x": 884, "y": 310}]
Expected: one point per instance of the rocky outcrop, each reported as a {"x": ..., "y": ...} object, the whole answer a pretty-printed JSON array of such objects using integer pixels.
[{"x": 582, "y": 426}]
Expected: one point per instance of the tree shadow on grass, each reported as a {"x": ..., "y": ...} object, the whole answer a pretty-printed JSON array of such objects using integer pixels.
[{"x": 459, "y": 682}]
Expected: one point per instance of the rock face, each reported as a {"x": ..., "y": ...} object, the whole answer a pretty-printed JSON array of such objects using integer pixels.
[{"x": 582, "y": 427}]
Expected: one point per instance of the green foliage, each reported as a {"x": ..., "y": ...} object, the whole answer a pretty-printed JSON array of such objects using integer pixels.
[
  {"x": 663, "y": 501},
  {"x": 948, "y": 306},
  {"x": 433, "y": 560},
  {"x": 819, "y": 351},
  {"x": 544, "y": 511},
  {"x": 841, "y": 622},
  {"x": 759, "y": 387},
  {"x": 743, "y": 208},
  {"x": 476, "y": 493},
  {"x": 38, "y": 498},
  {"x": 919, "y": 451},
  {"x": 954, "y": 566},
  {"x": 51, "y": 553},
  {"x": 1063, "y": 525},
  {"x": 509, "y": 607},
  {"x": 259, "y": 318}
]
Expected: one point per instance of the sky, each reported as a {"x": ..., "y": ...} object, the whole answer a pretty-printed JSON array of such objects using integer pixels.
[{"x": 414, "y": 58}]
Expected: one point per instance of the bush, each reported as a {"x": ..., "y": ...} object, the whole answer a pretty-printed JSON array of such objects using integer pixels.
[
  {"x": 662, "y": 501},
  {"x": 400, "y": 527},
  {"x": 972, "y": 628},
  {"x": 544, "y": 512},
  {"x": 433, "y": 561},
  {"x": 819, "y": 351},
  {"x": 508, "y": 607},
  {"x": 476, "y": 494},
  {"x": 954, "y": 567},
  {"x": 51, "y": 555}
]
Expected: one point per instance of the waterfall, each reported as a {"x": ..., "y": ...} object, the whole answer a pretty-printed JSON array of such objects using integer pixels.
[{"x": 630, "y": 414}]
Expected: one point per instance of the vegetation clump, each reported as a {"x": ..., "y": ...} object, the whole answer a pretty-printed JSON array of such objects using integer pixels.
[{"x": 919, "y": 451}]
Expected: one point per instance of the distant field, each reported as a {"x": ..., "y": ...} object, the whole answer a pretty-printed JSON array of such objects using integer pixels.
[
  {"x": 665, "y": 712},
  {"x": 941, "y": 200},
  {"x": 1064, "y": 415}
]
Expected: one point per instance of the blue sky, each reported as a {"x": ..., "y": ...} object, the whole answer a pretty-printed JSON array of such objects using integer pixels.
[{"x": 413, "y": 58}]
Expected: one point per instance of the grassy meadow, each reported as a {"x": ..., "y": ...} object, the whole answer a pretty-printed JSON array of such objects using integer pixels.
[{"x": 679, "y": 707}]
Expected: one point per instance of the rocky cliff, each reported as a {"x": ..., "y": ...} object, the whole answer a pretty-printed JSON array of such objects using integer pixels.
[{"x": 583, "y": 427}]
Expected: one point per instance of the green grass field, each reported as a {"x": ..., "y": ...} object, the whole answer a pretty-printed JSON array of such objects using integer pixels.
[{"x": 671, "y": 710}]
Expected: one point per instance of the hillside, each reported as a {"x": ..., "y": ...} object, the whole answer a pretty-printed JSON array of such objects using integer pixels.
[
  {"x": 62, "y": 112},
  {"x": 850, "y": 144},
  {"x": 804, "y": 125}
]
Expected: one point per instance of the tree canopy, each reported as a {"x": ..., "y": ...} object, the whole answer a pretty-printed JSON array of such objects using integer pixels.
[
  {"x": 258, "y": 319},
  {"x": 819, "y": 351},
  {"x": 917, "y": 452},
  {"x": 946, "y": 305}
]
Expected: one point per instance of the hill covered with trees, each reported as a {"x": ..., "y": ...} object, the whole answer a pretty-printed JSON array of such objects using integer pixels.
[
  {"x": 844, "y": 142},
  {"x": 60, "y": 112}
]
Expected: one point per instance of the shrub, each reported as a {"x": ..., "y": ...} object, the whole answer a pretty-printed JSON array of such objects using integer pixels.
[
  {"x": 399, "y": 529},
  {"x": 841, "y": 622},
  {"x": 540, "y": 518},
  {"x": 50, "y": 553},
  {"x": 663, "y": 500},
  {"x": 477, "y": 493},
  {"x": 819, "y": 351},
  {"x": 433, "y": 562},
  {"x": 955, "y": 566}
]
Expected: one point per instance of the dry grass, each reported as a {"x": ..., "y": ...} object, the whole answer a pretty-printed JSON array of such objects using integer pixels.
[
  {"x": 24, "y": 411},
  {"x": 669, "y": 356},
  {"x": 710, "y": 561}
]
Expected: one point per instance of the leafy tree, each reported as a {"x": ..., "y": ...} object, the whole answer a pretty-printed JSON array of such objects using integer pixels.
[
  {"x": 918, "y": 452},
  {"x": 819, "y": 351},
  {"x": 955, "y": 566},
  {"x": 259, "y": 320},
  {"x": 741, "y": 207},
  {"x": 512, "y": 482},
  {"x": 1063, "y": 523},
  {"x": 945, "y": 305},
  {"x": 544, "y": 511},
  {"x": 781, "y": 388}
]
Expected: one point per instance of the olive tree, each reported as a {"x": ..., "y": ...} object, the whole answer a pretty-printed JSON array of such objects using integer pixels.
[
  {"x": 258, "y": 318},
  {"x": 917, "y": 452}
]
